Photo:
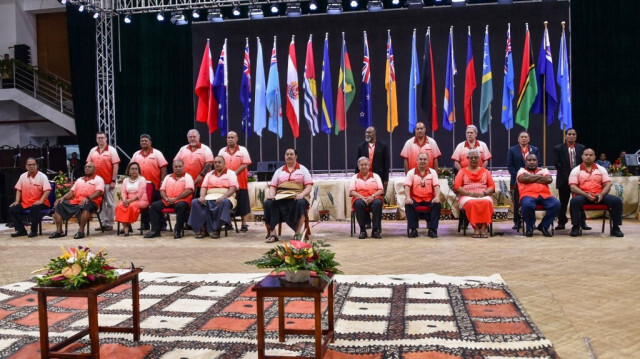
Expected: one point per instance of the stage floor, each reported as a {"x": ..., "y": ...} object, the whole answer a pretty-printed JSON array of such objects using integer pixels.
[{"x": 581, "y": 292}]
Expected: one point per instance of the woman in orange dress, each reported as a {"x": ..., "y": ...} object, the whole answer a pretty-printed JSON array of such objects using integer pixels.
[
  {"x": 474, "y": 185},
  {"x": 134, "y": 197}
]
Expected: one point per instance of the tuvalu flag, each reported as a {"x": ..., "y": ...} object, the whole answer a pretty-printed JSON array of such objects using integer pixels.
[
  {"x": 449, "y": 112},
  {"x": 390, "y": 85},
  {"x": 346, "y": 89},
  {"x": 469, "y": 82},
  {"x": 326, "y": 114},
  {"x": 428, "y": 96},
  {"x": 508, "y": 89},
  {"x": 245, "y": 91},
  {"x": 207, "y": 105},
  {"x": 528, "y": 85},
  {"x": 293, "y": 92},
  {"x": 220, "y": 85},
  {"x": 487, "y": 86},
  {"x": 310, "y": 93},
  {"x": 546, "y": 83},
  {"x": 365, "y": 92}
]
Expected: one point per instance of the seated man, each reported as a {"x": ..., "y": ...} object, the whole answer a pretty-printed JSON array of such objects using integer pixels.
[
  {"x": 176, "y": 192},
  {"x": 591, "y": 184},
  {"x": 32, "y": 193},
  {"x": 366, "y": 190},
  {"x": 286, "y": 200},
  {"x": 84, "y": 198},
  {"x": 422, "y": 188},
  {"x": 533, "y": 186},
  {"x": 217, "y": 198}
]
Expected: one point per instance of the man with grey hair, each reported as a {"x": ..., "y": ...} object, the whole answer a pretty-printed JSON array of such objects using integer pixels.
[
  {"x": 365, "y": 189},
  {"x": 422, "y": 189},
  {"x": 197, "y": 157},
  {"x": 461, "y": 153}
]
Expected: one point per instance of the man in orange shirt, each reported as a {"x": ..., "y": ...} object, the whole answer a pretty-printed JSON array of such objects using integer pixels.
[
  {"x": 153, "y": 166},
  {"x": 591, "y": 184},
  {"x": 197, "y": 157},
  {"x": 176, "y": 192},
  {"x": 107, "y": 162},
  {"x": 237, "y": 159},
  {"x": 422, "y": 188},
  {"x": 418, "y": 144},
  {"x": 533, "y": 186},
  {"x": 32, "y": 193},
  {"x": 84, "y": 198}
]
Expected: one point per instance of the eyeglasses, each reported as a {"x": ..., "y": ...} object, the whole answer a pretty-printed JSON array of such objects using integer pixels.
[{"x": 89, "y": 167}]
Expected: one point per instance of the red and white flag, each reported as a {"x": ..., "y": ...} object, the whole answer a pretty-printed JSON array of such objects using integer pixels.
[
  {"x": 293, "y": 92},
  {"x": 207, "y": 105}
]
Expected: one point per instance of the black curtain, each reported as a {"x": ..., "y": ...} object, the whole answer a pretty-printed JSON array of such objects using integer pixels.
[{"x": 606, "y": 69}]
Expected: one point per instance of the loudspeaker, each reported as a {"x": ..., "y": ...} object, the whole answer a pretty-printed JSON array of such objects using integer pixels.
[
  {"x": 632, "y": 162},
  {"x": 265, "y": 169},
  {"x": 8, "y": 179}
]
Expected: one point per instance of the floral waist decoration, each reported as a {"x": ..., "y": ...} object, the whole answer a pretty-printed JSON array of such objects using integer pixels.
[
  {"x": 299, "y": 255},
  {"x": 76, "y": 268}
]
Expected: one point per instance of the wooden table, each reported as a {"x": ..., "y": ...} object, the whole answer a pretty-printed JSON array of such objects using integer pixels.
[
  {"x": 276, "y": 286},
  {"x": 90, "y": 292}
]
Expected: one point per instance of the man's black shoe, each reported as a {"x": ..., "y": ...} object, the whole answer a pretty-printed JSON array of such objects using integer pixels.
[
  {"x": 515, "y": 226},
  {"x": 33, "y": 234},
  {"x": 575, "y": 231},
  {"x": 57, "y": 235},
  {"x": 376, "y": 234},
  {"x": 19, "y": 234},
  {"x": 616, "y": 232},
  {"x": 585, "y": 227},
  {"x": 559, "y": 227},
  {"x": 152, "y": 235},
  {"x": 413, "y": 233},
  {"x": 177, "y": 234},
  {"x": 215, "y": 234},
  {"x": 546, "y": 233},
  {"x": 432, "y": 233},
  {"x": 79, "y": 235},
  {"x": 144, "y": 228},
  {"x": 363, "y": 234},
  {"x": 529, "y": 232}
]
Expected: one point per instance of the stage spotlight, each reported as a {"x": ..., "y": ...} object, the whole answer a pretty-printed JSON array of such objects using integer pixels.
[
  {"x": 195, "y": 14},
  {"x": 313, "y": 6},
  {"x": 274, "y": 8},
  {"x": 354, "y": 4},
  {"x": 63, "y": 2},
  {"x": 374, "y": 6},
  {"x": 395, "y": 2},
  {"x": 256, "y": 13},
  {"x": 293, "y": 10},
  {"x": 334, "y": 8},
  {"x": 81, "y": 8},
  {"x": 458, "y": 3},
  {"x": 236, "y": 11},
  {"x": 505, "y": 2},
  {"x": 214, "y": 15},
  {"x": 127, "y": 19},
  {"x": 178, "y": 18},
  {"x": 96, "y": 15},
  {"x": 160, "y": 16},
  {"x": 414, "y": 4}
]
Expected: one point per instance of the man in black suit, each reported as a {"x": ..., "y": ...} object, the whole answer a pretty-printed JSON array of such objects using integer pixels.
[
  {"x": 567, "y": 156},
  {"x": 377, "y": 152},
  {"x": 515, "y": 161}
]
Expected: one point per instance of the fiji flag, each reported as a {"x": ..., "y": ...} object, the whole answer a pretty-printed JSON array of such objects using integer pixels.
[
  {"x": 245, "y": 91},
  {"x": 327, "y": 118},
  {"x": 414, "y": 81},
  {"x": 274, "y": 105},
  {"x": 508, "y": 89},
  {"x": 220, "y": 83},
  {"x": 564, "y": 113},
  {"x": 365, "y": 93},
  {"x": 449, "y": 113}
]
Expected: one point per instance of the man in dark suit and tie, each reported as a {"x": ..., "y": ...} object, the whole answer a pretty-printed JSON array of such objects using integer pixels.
[
  {"x": 377, "y": 153},
  {"x": 515, "y": 161},
  {"x": 567, "y": 156}
]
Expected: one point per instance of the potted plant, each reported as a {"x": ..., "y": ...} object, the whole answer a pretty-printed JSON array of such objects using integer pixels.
[
  {"x": 63, "y": 185},
  {"x": 324, "y": 213},
  {"x": 258, "y": 212},
  {"x": 446, "y": 211},
  {"x": 389, "y": 211},
  {"x": 500, "y": 209},
  {"x": 297, "y": 259}
]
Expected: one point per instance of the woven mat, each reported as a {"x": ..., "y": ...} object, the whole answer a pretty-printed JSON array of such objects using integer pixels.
[{"x": 214, "y": 316}]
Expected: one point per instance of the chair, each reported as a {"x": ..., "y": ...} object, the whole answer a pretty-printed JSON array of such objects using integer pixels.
[
  {"x": 96, "y": 213},
  {"x": 463, "y": 223},
  {"x": 47, "y": 211},
  {"x": 353, "y": 218},
  {"x": 599, "y": 207},
  {"x": 232, "y": 213},
  {"x": 539, "y": 208},
  {"x": 420, "y": 209},
  {"x": 150, "y": 187},
  {"x": 306, "y": 226},
  {"x": 167, "y": 212}
]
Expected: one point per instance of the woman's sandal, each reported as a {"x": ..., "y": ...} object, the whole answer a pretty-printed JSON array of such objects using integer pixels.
[
  {"x": 477, "y": 235},
  {"x": 272, "y": 239}
]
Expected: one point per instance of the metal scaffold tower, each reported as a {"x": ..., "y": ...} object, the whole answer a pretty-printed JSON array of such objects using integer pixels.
[{"x": 105, "y": 86}]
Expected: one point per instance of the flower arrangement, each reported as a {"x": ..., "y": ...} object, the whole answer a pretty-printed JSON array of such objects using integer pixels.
[
  {"x": 297, "y": 256},
  {"x": 77, "y": 267},
  {"x": 617, "y": 168},
  {"x": 503, "y": 194},
  {"x": 444, "y": 172},
  {"x": 63, "y": 185},
  {"x": 260, "y": 196},
  {"x": 251, "y": 177}
]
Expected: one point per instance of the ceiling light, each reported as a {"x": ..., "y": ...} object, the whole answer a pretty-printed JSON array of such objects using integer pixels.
[
  {"x": 195, "y": 14},
  {"x": 293, "y": 10},
  {"x": 160, "y": 16},
  {"x": 81, "y": 8},
  {"x": 256, "y": 12},
  {"x": 395, "y": 2},
  {"x": 374, "y": 5},
  {"x": 414, "y": 4},
  {"x": 458, "y": 3},
  {"x": 127, "y": 19},
  {"x": 96, "y": 15},
  {"x": 274, "y": 8},
  {"x": 334, "y": 8},
  {"x": 214, "y": 15},
  {"x": 178, "y": 18},
  {"x": 236, "y": 11},
  {"x": 63, "y": 2},
  {"x": 354, "y": 4},
  {"x": 313, "y": 6}
]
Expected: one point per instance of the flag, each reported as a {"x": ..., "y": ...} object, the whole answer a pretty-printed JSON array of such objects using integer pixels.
[
  {"x": 207, "y": 105},
  {"x": 310, "y": 93},
  {"x": 428, "y": 98},
  {"x": 414, "y": 81},
  {"x": 528, "y": 85},
  {"x": 564, "y": 111},
  {"x": 260, "y": 103},
  {"x": 449, "y": 112},
  {"x": 293, "y": 92},
  {"x": 274, "y": 106},
  {"x": 346, "y": 89},
  {"x": 469, "y": 81},
  {"x": 548, "y": 87},
  {"x": 487, "y": 86},
  {"x": 245, "y": 91},
  {"x": 325, "y": 86},
  {"x": 365, "y": 92},
  {"x": 220, "y": 84},
  {"x": 508, "y": 88},
  {"x": 390, "y": 85}
]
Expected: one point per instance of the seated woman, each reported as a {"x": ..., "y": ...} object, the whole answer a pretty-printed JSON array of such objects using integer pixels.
[
  {"x": 286, "y": 199},
  {"x": 474, "y": 185},
  {"x": 366, "y": 190},
  {"x": 134, "y": 197}
]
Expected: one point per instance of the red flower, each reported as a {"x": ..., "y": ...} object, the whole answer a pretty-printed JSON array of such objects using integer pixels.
[{"x": 299, "y": 244}]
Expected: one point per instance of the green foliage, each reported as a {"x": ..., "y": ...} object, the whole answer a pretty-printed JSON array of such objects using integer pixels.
[
  {"x": 76, "y": 268},
  {"x": 63, "y": 185}
]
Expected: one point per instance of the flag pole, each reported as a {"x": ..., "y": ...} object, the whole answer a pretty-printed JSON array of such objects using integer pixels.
[
  {"x": 544, "y": 106},
  {"x": 246, "y": 121},
  {"x": 490, "y": 141},
  {"x": 311, "y": 126},
  {"x": 344, "y": 101},
  {"x": 278, "y": 115},
  {"x": 511, "y": 105},
  {"x": 328, "y": 151},
  {"x": 226, "y": 85},
  {"x": 563, "y": 125},
  {"x": 260, "y": 135},
  {"x": 471, "y": 97},
  {"x": 389, "y": 107},
  {"x": 453, "y": 125}
]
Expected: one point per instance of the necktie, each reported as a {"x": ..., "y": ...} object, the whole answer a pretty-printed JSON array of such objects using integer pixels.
[{"x": 572, "y": 156}]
